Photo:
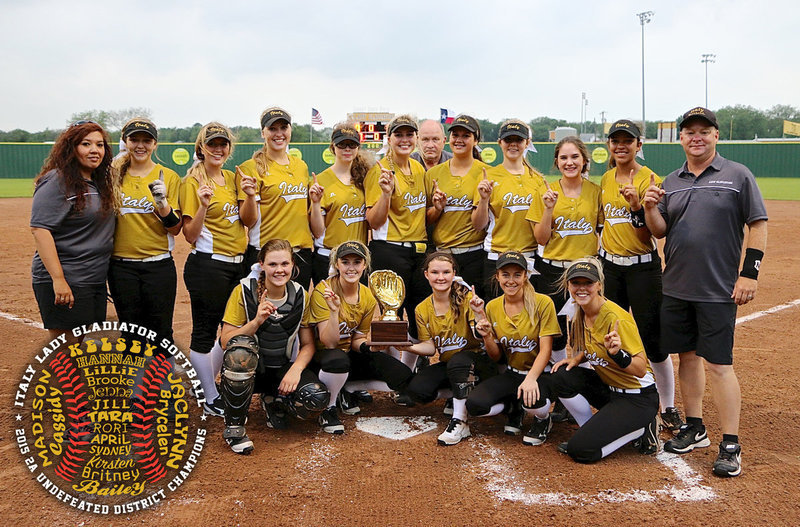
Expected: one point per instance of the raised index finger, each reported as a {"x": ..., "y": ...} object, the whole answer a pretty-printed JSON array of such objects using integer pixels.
[
  {"x": 546, "y": 184},
  {"x": 314, "y": 175},
  {"x": 616, "y": 327},
  {"x": 485, "y": 177},
  {"x": 633, "y": 172},
  {"x": 652, "y": 179},
  {"x": 161, "y": 175}
]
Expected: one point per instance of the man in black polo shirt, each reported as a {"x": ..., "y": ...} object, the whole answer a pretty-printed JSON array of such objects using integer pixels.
[{"x": 702, "y": 209}]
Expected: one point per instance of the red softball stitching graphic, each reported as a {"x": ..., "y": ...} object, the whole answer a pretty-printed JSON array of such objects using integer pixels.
[
  {"x": 76, "y": 400},
  {"x": 143, "y": 419}
]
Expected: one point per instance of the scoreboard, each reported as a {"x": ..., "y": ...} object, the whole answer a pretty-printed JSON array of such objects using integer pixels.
[{"x": 371, "y": 126}]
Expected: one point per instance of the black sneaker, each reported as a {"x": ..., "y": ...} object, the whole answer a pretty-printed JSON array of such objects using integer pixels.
[
  {"x": 560, "y": 414},
  {"x": 729, "y": 460},
  {"x": 537, "y": 434},
  {"x": 648, "y": 443},
  {"x": 562, "y": 447},
  {"x": 363, "y": 396},
  {"x": 275, "y": 413},
  {"x": 329, "y": 421},
  {"x": 237, "y": 439},
  {"x": 448, "y": 407},
  {"x": 516, "y": 414},
  {"x": 348, "y": 403},
  {"x": 689, "y": 437},
  {"x": 215, "y": 408},
  {"x": 401, "y": 399},
  {"x": 671, "y": 419}
]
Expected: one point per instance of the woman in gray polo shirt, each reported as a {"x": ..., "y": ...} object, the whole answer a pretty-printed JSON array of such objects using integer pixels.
[{"x": 72, "y": 221}]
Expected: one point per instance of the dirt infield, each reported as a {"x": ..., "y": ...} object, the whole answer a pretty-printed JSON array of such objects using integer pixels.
[{"x": 306, "y": 477}]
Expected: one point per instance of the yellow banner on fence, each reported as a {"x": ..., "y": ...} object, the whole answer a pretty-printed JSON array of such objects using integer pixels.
[{"x": 791, "y": 128}]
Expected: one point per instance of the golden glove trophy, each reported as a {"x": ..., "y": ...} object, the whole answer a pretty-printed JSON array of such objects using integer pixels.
[{"x": 389, "y": 291}]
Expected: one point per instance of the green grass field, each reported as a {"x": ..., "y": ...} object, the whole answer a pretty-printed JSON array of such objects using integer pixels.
[{"x": 771, "y": 187}]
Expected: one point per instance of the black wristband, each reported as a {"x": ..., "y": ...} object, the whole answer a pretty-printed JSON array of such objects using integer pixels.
[
  {"x": 364, "y": 348},
  {"x": 637, "y": 218},
  {"x": 752, "y": 263},
  {"x": 170, "y": 220},
  {"x": 622, "y": 358}
]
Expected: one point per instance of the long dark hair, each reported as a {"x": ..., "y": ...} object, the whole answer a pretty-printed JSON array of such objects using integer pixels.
[{"x": 64, "y": 159}]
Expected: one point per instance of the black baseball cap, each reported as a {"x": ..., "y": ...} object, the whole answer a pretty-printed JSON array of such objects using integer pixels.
[
  {"x": 513, "y": 129},
  {"x": 468, "y": 123},
  {"x": 345, "y": 134},
  {"x": 140, "y": 125},
  {"x": 351, "y": 247},
  {"x": 275, "y": 114},
  {"x": 624, "y": 125},
  {"x": 216, "y": 130},
  {"x": 511, "y": 258},
  {"x": 399, "y": 122},
  {"x": 699, "y": 113},
  {"x": 583, "y": 270}
]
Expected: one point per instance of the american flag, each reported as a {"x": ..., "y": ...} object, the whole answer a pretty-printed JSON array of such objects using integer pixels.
[{"x": 316, "y": 117}]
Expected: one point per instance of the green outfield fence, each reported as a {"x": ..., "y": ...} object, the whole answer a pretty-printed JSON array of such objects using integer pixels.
[{"x": 23, "y": 160}]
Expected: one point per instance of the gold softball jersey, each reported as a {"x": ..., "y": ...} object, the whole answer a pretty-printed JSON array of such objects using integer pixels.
[
  {"x": 597, "y": 354},
  {"x": 454, "y": 226},
  {"x": 282, "y": 195},
  {"x": 511, "y": 198},
  {"x": 448, "y": 333},
  {"x": 236, "y": 313},
  {"x": 575, "y": 222},
  {"x": 353, "y": 318},
  {"x": 139, "y": 232},
  {"x": 406, "y": 221},
  {"x": 619, "y": 235},
  {"x": 517, "y": 336},
  {"x": 222, "y": 233},
  {"x": 344, "y": 210}
]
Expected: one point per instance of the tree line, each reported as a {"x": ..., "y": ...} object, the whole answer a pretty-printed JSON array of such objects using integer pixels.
[{"x": 737, "y": 122}]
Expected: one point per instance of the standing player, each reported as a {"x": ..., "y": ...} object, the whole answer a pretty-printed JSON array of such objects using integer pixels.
[
  {"x": 281, "y": 192},
  {"x": 518, "y": 326},
  {"x": 142, "y": 277},
  {"x": 211, "y": 224},
  {"x": 265, "y": 319},
  {"x": 395, "y": 193},
  {"x": 450, "y": 187},
  {"x": 630, "y": 259},
  {"x": 502, "y": 200},
  {"x": 338, "y": 210},
  {"x": 620, "y": 385},
  {"x": 702, "y": 210},
  {"x": 72, "y": 221}
]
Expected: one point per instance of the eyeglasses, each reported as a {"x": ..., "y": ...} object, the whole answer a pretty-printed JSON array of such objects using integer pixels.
[{"x": 82, "y": 121}]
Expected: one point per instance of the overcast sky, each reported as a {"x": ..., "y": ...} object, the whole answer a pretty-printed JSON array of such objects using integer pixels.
[{"x": 196, "y": 61}]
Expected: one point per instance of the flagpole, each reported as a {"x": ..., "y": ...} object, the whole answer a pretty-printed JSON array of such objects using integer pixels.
[{"x": 311, "y": 132}]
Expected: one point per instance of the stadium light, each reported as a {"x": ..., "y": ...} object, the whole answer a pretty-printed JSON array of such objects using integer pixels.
[
  {"x": 644, "y": 18},
  {"x": 707, "y": 57}
]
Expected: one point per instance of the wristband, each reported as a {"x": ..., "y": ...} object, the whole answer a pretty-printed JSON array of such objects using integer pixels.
[
  {"x": 170, "y": 220},
  {"x": 622, "y": 358},
  {"x": 637, "y": 218},
  {"x": 752, "y": 263},
  {"x": 364, "y": 348}
]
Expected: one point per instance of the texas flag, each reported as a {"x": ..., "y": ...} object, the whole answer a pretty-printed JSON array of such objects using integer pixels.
[{"x": 447, "y": 116}]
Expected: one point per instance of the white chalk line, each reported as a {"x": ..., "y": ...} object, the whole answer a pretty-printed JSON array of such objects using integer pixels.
[
  {"x": 502, "y": 482},
  {"x": 26, "y": 321},
  {"x": 774, "y": 309}
]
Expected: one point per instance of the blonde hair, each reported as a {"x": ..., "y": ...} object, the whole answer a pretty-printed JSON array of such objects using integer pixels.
[
  {"x": 528, "y": 293},
  {"x": 123, "y": 162},
  {"x": 334, "y": 279},
  {"x": 576, "y": 327},
  {"x": 198, "y": 170},
  {"x": 275, "y": 244},
  {"x": 363, "y": 161},
  {"x": 261, "y": 157},
  {"x": 458, "y": 291},
  {"x": 390, "y": 150}
]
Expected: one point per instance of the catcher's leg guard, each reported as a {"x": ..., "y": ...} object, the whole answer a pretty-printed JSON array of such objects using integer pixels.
[
  {"x": 238, "y": 378},
  {"x": 309, "y": 400}
]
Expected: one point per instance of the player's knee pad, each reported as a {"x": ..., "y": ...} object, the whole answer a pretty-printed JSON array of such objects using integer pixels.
[
  {"x": 238, "y": 377},
  {"x": 308, "y": 400},
  {"x": 461, "y": 390}
]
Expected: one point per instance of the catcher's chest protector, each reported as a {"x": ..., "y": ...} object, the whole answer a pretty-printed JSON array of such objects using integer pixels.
[{"x": 275, "y": 336}]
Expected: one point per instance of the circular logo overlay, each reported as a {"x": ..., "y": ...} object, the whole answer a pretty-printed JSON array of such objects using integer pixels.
[
  {"x": 488, "y": 154},
  {"x": 105, "y": 426},
  {"x": 180, "y": 156},
  {"x": 295, "y": 152},
  {"x": 599, "y": 155},
  {"x": 328, "y": 156}
]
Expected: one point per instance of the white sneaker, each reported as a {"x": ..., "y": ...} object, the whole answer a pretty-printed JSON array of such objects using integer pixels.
[{"x": 456, "y": 431}]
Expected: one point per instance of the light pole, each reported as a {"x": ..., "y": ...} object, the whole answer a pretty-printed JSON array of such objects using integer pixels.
[
  {"x": 584, "y": 104},
  {"x": 644, "y": 18},
  {"x": 707, "y": 57}
]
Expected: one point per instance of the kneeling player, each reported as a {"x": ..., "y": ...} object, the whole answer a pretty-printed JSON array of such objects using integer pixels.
[{"x": 262, "y": 322}]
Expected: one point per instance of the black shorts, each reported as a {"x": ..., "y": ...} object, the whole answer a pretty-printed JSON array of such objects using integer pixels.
[
  {"x": 704, "y": 327},
  {"x": 89, "y": 306}
]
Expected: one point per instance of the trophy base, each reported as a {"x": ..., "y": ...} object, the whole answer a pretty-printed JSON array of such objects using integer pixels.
[{"x": 389, "y": 333}]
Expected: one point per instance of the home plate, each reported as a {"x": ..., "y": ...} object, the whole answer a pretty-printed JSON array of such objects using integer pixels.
[{"x": 395, "y": 427}]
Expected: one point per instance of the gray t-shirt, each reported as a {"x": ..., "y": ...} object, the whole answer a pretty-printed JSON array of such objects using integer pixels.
[
  {"x": 84, "y": 240},
  {"x": 705, "y": 229},
  {"x": 417, "y": 156}
]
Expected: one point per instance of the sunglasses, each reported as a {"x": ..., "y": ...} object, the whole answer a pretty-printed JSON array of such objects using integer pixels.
[
  {"x": 347, "y": 145},
  {"x": 82, "y": 121}
]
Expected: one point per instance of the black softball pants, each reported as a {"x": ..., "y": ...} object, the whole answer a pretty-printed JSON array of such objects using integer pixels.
[
  {"x": 503, "y": 389},
  {"x": 362, "y": 366},
  {"x": 547, "y": 282},
  {"x": 462, "y": 367}
]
